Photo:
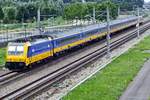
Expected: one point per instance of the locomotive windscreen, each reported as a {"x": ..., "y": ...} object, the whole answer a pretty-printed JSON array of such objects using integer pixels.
[{"x": 15, "y": 49}]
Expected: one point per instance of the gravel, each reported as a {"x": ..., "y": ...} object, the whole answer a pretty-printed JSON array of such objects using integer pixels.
[
  {"x": 46, "y": 69},
  {"x": 60, "y": 89},
  {"x": 72, "y": 81}
]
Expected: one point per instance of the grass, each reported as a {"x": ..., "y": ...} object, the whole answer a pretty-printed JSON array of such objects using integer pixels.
[
  {"x": 109, "y": 83},
  {"x": 2, "y": 56}
]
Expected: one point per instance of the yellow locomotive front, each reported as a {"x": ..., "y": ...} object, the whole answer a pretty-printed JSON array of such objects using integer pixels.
[{"x": 16, "y": 56}]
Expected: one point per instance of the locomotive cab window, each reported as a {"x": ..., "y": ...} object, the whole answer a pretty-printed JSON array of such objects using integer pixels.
[
  {"x": 11, "y": 50},
  {"x": 15, "y": 50},
  {"x": 19, "y": 50}
]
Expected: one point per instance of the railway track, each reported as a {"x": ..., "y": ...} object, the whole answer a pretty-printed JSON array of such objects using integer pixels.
[
  {"x": 7, "y": 75},
  {"x": 10, "y": 77},
  {"x": 33, "y": 87}
]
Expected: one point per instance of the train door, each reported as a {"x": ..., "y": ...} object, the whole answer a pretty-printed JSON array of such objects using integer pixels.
[
  {"x": 30, "y": 53},
  {"x": 52, "y": 47}
]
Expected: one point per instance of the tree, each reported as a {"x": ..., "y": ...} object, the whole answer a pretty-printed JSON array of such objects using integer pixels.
[
  {"x": 9, "y": 14},
  {"x": 112, "y": 7},
  {"x": 22, "y": 13},
  {"x": 81, "y": 10},
  {"x": 32, "y": 10},
  {"x": 1, "y": 14},
  {"x": 75, "y": 10},
  {"x": 129, "y": 4}
]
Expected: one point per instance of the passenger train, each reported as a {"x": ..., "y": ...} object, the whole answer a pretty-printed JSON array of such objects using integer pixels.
[{"x": 21, "y": 55}]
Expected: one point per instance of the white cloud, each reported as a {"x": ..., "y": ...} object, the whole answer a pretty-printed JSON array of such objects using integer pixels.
[{"x": 147, "y": 0}]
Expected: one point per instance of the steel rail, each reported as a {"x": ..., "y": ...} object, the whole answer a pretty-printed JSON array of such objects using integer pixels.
[
  {"x": 7, "y": 79},
  {"x": 40, "y": 84},
  {"x": 7, "y": 75}
]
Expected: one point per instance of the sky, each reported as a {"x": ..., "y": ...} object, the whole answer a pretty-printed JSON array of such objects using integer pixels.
[{"x": 147, "y": 0}]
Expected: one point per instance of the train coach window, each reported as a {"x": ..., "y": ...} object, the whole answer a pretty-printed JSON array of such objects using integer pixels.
[
  {"x": 89, "y": 33},
  {"x": 68, "y": 39}
]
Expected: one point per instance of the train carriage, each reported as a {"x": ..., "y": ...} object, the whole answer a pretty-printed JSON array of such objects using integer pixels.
[
  {"x": 39, "y": 51},
  {"x": 22, "y": 55},
  {"x": 67, "y": 42}
]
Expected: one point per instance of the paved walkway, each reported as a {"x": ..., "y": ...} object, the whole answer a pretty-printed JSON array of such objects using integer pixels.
[{"x": 139, "y": 89}]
